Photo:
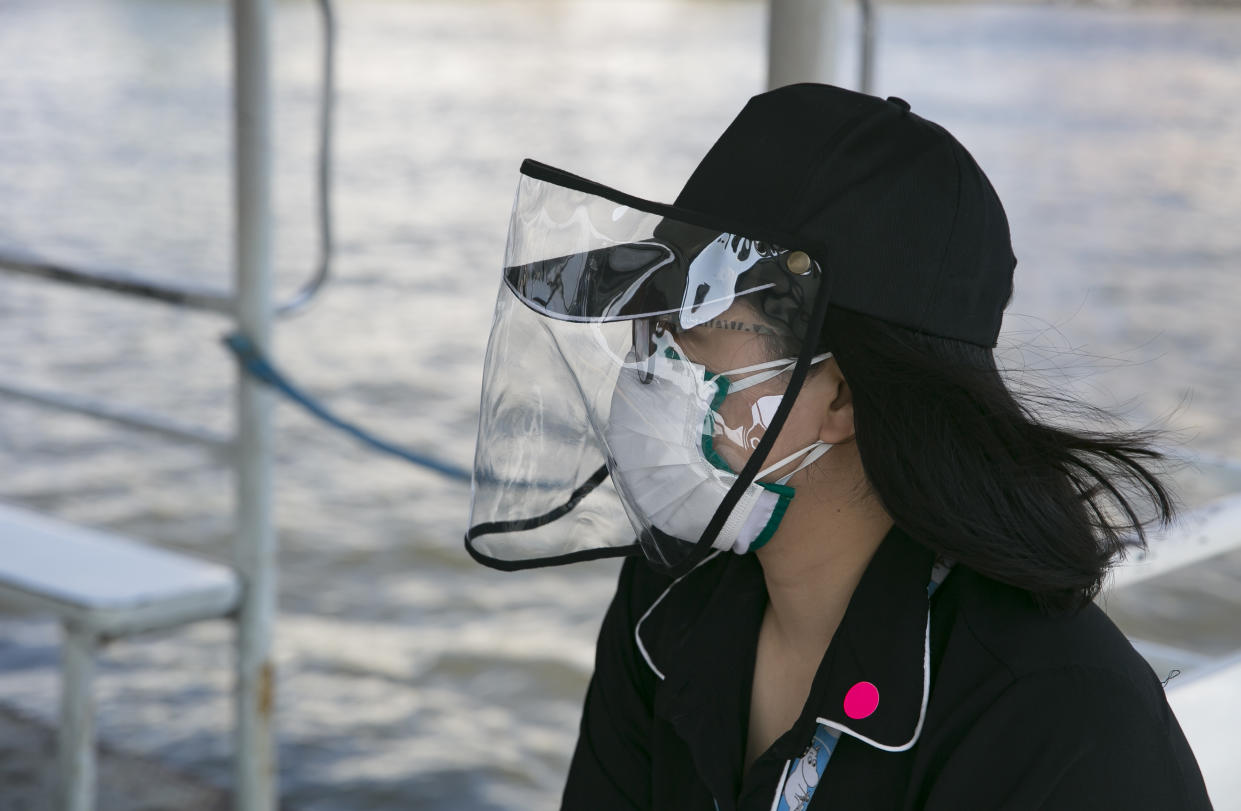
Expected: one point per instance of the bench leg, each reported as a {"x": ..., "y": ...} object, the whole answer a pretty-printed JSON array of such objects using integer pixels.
[{"x": 76, "y": 737}]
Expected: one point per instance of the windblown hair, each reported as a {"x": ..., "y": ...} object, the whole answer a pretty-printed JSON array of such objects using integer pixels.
[{"x": 972, "y": 472}]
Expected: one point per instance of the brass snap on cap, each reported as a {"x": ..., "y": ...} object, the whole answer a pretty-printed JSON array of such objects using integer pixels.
[
  {"x": 904, "y": 105},
  {"x": 797, "y": 262}
]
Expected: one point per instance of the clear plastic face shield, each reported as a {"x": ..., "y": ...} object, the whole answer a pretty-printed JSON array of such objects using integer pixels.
[{"x": 636, "y": 382}]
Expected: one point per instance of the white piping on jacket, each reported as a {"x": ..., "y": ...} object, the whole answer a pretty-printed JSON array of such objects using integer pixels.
[
  {"x": 637, "y": 628},
  {"x": 784, "y": 775},
  {"x": 926, "y": 694}
]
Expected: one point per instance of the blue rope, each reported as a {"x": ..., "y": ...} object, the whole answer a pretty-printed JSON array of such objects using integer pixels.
[{"x": 258, "y": 367}]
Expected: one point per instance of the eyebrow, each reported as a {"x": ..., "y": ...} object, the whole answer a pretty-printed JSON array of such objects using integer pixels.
[{"x": 740, "y": 326}]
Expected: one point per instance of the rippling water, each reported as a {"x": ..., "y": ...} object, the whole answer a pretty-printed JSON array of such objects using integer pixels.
[{"x": 410, "y": 677}]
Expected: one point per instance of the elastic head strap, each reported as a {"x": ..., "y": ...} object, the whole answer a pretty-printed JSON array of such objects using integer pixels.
[
  {"x": 815, "y": 451},
  {"x": 775, "y": 369}
]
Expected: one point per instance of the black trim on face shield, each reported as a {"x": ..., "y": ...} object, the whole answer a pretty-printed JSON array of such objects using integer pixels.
[
  {"x": 520, "y": 524},
  {"x": 642, "y": 346},
  {"x": 550, "y": 174}
]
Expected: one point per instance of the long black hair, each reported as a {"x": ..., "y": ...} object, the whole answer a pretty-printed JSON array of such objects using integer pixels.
[{"x": 983, "y": 477}]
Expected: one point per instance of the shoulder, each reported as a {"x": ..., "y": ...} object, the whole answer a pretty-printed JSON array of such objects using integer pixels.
[
  {"x": 641, "y": 581},
  {"x": 999, "y": 627},
  {"x": 1057, "y": 704},
  {"x": 639, "y": 589},
  {"x": 1010, "y": 630}
]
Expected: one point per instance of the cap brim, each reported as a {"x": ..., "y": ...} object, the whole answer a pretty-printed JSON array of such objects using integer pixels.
[{"x": 635, "y": 279}]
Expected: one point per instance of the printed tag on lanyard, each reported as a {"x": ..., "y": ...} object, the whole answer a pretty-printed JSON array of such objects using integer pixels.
[{"x": 804, "y": 773}]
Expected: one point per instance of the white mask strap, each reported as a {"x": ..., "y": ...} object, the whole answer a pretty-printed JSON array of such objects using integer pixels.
[
  {"x": 774, "y": 368},
  {"x": 813, "y": 451}
]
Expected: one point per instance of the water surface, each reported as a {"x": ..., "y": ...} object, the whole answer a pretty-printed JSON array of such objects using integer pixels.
[{"x": 409, "y": 676}]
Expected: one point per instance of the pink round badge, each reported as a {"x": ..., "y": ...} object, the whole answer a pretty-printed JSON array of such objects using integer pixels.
[{"x": 861, "y": 700}]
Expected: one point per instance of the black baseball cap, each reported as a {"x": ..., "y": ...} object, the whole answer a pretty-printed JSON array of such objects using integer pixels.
[{"x": 913, "y": 231}]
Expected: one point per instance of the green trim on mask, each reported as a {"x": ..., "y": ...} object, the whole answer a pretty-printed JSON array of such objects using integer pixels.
[
  {"x": 717, "y": 461},
  {"x": 777, "y": 515},
  {"x": 783, "y": 491},
  {"x": 708, "y": 426},
  {"x": 708, "y": 422}
]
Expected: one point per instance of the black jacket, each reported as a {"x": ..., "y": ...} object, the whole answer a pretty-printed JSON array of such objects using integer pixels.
[{"x": 1019, "y": 710}]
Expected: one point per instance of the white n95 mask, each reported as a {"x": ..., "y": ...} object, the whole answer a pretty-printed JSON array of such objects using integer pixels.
[{"x": 662, "y": 432}]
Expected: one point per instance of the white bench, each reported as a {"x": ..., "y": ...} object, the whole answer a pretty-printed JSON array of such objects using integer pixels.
[{"x": 101, "y": 586}]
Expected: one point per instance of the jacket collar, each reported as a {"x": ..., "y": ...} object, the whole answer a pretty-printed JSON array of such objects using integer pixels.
[{"x": 873, "y": 683}]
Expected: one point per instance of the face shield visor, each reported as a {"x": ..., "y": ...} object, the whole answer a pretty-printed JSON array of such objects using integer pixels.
[{"x": 640, "y": 368}]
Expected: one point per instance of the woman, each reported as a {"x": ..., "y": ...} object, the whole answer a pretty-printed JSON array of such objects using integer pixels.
[{"x": 863, "y": 573}]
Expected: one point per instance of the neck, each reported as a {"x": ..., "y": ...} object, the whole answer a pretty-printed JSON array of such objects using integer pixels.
[{"x": 817, "y": 557}]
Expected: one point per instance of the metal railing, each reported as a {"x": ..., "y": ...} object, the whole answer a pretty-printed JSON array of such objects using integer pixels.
[
  {"x": 201, "y": 298},
  {"x": 187, "y": 295},
  {"x": 250, "y": 450}
]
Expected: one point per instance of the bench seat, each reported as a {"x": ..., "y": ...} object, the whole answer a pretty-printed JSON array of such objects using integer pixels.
[{"x": 104, "y": 583}]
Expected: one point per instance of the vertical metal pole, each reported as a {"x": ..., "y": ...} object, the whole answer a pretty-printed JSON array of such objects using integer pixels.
[
  {"x": 866, "y": 50},
  {"x": 255, "y": 553},
  {"x": 76, "y": 736},
  {"x": 801, "y": 41}
]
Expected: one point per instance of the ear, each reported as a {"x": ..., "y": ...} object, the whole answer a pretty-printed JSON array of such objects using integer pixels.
[{"x": 837, "y": 426}]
